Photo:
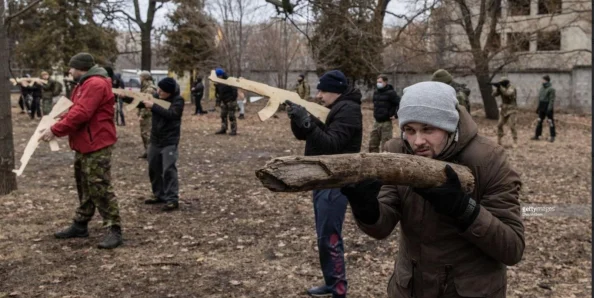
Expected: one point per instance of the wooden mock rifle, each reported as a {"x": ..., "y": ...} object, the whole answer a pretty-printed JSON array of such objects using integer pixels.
[{"x": 276, "y": 97}]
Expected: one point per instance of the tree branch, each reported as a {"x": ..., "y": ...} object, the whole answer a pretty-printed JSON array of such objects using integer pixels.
[{"x": 22, "y": 11}]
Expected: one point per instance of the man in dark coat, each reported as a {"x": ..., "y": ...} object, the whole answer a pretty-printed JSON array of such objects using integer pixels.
[
  {"x": 452, "y": 243},
  {"x": 342, "y": 133},
  {"x": 546, "y": 103},
  {"x": 385, "y": 105},
  {"x": 226, "y": 98},
  {"x": 163, "y": 150},
  {"x": 198, "y": 93}
]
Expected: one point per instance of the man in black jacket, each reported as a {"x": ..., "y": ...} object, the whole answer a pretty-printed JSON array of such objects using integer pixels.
[
  {"x": 227, "y": 99},
  {"x": 342, "y": 133},
  {"x": 162, "y": 152},
  {"x": 35, "y": 89},
  {"x": 197, "y": 93},
  {"x": 117, "y": 83},
  {"x": 385, "y": 105}
]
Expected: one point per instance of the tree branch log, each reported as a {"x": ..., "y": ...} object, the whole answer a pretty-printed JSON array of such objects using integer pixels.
[{"x": 304, "y": 173}]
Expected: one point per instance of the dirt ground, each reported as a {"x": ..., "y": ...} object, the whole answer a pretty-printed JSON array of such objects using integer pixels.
[{"x": 234, "y": 238}]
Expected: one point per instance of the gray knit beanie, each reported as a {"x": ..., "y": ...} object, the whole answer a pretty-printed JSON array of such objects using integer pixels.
[
  {"x": 432, "y": 103},
  {"x": 82, "y": 61}
]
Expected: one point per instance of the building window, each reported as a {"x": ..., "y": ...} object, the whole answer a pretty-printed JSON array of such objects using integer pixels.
[
  {"x": 495, "y": 43},
  {"x": 518, "y": 42},
  {"x": 519, "y": 7},
  {"x": 549, "y": 6},
  {"x": 548, "y": 41}
]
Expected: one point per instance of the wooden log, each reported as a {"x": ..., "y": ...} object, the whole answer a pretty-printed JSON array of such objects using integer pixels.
[{"x": 304, "y": 173}]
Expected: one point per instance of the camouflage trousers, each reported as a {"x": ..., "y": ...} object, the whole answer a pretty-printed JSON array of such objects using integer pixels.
[
  {"x": 145, "y": 129},
  {"x": 507, "y": 117},
  {"x": 228, "y": 111},
  {"x": 382, "y": 132},
  {"x": 46, "y": 105},
  {"x": 92, "y": 172}
]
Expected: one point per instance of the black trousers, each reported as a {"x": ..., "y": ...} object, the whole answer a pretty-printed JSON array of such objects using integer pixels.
[
  {"x": 23, "y": 104},
  {"x": 163, "y": 172},
  {"x": 542, "y": 114},
  {"x": 35, "y": 107},
  {"x": 198, "y": 102}
]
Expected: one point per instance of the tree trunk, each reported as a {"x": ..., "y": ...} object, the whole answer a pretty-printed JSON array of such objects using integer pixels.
[
  {"x": 7, "y": 177},
  {"x": 145, "y": 60},
  {"x": 304, "y": 173},
  {"x": 482, "y": 78}
]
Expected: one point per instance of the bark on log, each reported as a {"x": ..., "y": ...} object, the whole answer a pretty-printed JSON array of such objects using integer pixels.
[{"x": 304, "y": 173}]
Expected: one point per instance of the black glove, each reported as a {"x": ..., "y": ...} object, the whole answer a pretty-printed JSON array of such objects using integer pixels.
[
  {"x": 362, "y": 197},
  {"x": 449, "y": 199},
  {"x": 299, "y": 115}
]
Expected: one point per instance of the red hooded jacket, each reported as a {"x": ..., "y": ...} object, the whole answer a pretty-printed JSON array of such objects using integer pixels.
[{"x": 89, "y": 123}]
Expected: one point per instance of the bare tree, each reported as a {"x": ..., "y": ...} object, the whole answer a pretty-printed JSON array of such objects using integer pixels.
[
  {"x": 483, "y": 38},
  {"x": 145, "y": 27},
  {"x": 237, "y": 25},
  {"x": 348, "y": 34},
  {"x": 7, "y": 177},
  {"x": 275, "y": 46}
]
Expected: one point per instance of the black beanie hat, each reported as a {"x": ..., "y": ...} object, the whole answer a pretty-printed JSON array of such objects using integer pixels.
[
  {"x": 333, "y": 81},
  {"x": 167, "y": 85},
  {"x": 547, "y": 78},
  {"x": 82, "y": 61}
]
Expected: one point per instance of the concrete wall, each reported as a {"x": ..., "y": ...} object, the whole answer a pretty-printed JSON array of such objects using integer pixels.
[{"x": 573, "y": 88}]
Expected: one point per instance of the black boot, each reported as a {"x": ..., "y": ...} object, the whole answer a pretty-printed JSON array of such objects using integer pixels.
[
  {"x": 113, "y": 238},
  {"x": 170, "y": 206},
  {"x": 153, "y": 201},
  {"x": 76, "y": 230},
  {"x": 241, "y": 116},
  {"x": 233, "y": 133},
  {"x": 321, "y": 291},
  {"x": 221, "y": 132}
]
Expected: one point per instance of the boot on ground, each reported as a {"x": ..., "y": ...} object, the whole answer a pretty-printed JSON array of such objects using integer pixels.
[
  {"x": 153, "y": 201},
  {"x": 233, "y": 133},
  {"x": 535, "y": 138},
  {"x": 76, "y": 230},
  {"x": 221, "y": 132},
  {"x": 170, "y": 206},
  {"x": 321, "y": 291},
  {"x": 113, "y": 238}
]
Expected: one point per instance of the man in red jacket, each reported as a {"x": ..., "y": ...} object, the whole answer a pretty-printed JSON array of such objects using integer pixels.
[{"x": 90, "y": 127}]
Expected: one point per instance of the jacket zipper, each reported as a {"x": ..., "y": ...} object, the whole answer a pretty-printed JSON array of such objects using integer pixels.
[
  {"x": 412, "y": 279},
  {"x": 444, "y": 286}
]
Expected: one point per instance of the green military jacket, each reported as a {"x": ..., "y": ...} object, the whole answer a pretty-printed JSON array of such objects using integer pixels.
[
  {"x": 303, "y": 89},
  {"x": 508, "y": 99},
  {"x": 48, "y": 90},
  {"x": 547, "y": 94},
  {"x": 148, "y": 86}
]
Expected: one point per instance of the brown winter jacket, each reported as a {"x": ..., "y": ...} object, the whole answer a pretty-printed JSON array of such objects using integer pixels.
[{"x": 435, "y": 258}]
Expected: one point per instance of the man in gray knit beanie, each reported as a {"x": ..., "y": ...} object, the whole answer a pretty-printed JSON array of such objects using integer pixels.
[
  {"x": 424, "y": 107},
  {"x": 446, "y": 234}
]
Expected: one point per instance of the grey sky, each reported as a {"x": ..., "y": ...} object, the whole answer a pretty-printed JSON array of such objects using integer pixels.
[{"x": 263, "y": 12}]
